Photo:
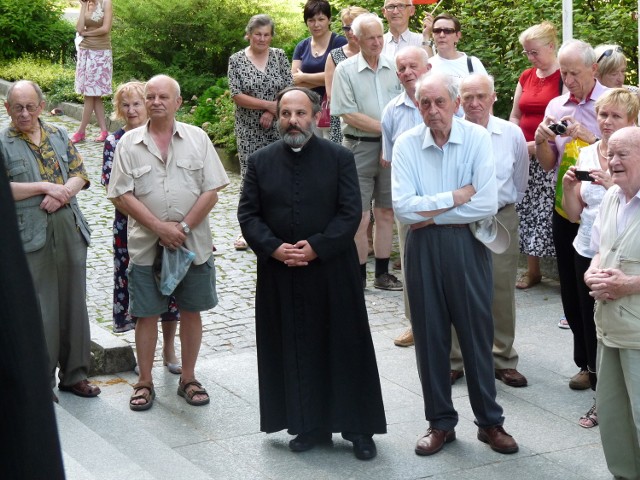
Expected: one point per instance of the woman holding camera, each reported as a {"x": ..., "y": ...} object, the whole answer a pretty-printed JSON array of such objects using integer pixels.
[
  {"x": 584, "y": 186},
  {"x": 94, "y": 66},
  {"x": 536, "y": 87}
]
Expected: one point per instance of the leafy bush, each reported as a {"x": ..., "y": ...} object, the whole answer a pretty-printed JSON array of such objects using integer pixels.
[
  {"x": 55, "y": 80},
  {"x": 34, "y": 26},
  {"x": 190, "y": 40},
  {"x": 206, "y": 109},
  {"x": 215, "y": 113},
  {"x": 42, "y": 71},
  {"x": 221, "y": 129}
]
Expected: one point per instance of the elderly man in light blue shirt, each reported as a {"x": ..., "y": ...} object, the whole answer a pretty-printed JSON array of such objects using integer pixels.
[
  {"x": 443, "y": 179},
  {"x": 477, "y": 95},
  {"x": 362, "y": 87},
  {"x": 402, "y": 114}
]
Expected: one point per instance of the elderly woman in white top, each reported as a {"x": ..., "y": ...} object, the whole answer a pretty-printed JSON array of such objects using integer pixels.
[{"x": 616, "y": 109}]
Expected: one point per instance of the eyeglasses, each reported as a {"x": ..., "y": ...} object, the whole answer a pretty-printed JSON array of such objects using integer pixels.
[
  {"x": 346, "y": 28},
  {"x": 397, "y": 6},
  {"x": 533, "y": 53},
  {"x": 446, "y": 31},
  {"x": 608, "y": 53},
  {"x": 17, "y": 108}
]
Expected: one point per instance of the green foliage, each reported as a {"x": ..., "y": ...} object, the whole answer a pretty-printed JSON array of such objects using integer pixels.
[
  {"x": 206, "y": 109},
  {"x": 221, "y": 128},
  {"x": 215, "y": 113},
  {"x": 55, "y": 80},
  {"x": 190, "y": 40},
  {"x": 34, "y": 26},
  {"x": 43, "y": 72}
]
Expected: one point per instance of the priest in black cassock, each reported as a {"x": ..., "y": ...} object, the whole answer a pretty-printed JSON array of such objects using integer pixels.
[{"x": 299, "y": 211}]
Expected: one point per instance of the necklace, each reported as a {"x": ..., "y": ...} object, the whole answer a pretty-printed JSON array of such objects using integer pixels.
[{"x": 600, "y": 150}]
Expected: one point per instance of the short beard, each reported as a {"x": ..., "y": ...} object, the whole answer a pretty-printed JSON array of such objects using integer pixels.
[{"x": 296, "y": 139}]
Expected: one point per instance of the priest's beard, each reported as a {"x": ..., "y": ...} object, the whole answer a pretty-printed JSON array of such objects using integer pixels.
[{"x": 296, "y": 139}]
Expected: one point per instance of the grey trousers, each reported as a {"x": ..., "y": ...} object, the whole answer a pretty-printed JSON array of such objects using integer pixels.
[
  {"x": 503, "y": 308},
  {"x": 448, "y": 278},
  {"x": 618, "y": 405},
  {"x": 59, "y": 277}
]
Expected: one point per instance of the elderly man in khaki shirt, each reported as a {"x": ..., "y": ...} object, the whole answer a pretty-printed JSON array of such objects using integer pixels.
[{"x": 166, "y": 176}]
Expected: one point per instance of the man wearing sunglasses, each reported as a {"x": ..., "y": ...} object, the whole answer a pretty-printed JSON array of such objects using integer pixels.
[{"x": 398, "y": 13}]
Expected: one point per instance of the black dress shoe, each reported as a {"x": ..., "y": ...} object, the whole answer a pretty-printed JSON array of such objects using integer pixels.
[
  {"x": 364, "y": 448},
  {"x": 308, "y": 440}
]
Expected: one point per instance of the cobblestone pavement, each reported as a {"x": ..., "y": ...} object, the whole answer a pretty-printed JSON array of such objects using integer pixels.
[{"x": 229, "y": 327}]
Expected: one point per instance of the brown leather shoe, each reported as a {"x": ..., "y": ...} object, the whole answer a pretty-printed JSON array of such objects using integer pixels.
[
  {"x": 456, "y": 375},
  {"x": 511, "y": 377},
  {"x": 499, "y": 440},
  {"x": 580, "y": 381},
  {"x": 433, "y": 441},
  {"x": 405, "y": 339}
]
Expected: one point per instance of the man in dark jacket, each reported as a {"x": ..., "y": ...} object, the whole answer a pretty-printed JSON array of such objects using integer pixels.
[{"x": 299, "y": 211}]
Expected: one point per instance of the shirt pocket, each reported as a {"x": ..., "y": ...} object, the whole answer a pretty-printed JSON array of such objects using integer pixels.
[
  {"x": 18, "y": 171},
  {"x": 191, "y": 168},
  {"x": 142, "y": 181},
  {"x": 630, "y": 266}
]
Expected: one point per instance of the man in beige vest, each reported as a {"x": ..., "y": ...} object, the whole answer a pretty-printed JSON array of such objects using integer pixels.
[{"x": 614, "y": 280}]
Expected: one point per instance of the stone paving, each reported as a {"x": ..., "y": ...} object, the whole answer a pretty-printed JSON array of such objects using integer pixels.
[{"x": 227, "y": 328}]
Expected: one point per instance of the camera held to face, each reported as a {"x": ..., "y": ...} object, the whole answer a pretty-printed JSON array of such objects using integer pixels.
[{"x": 559, "y": 128}]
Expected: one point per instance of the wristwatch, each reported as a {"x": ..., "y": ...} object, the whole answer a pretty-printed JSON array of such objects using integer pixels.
[
  {"x": 427, "y": 43},
  {"x": 185, "y": 228}
]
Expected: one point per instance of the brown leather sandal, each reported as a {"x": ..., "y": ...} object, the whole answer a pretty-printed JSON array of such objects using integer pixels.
[
  {"x": 189, "y": 394},
  {"x": 144, "y": 391}
]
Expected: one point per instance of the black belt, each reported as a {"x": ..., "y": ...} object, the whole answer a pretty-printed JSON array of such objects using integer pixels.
[
  {"x": 430, "y": 224},
  {"x": 362, "y": 139}
]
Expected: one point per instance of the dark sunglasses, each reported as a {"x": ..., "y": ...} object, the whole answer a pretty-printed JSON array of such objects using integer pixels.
[
  {"x": 446, "y": 31},
  {"x": 346, "y": 28},
  {"x": 608, "y": 53}
]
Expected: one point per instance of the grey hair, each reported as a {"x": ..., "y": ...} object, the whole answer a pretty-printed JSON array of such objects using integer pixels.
[
  {"x": 586, "y": 50},
  {"x": 360, "y": 20},
  {"x": 35, "y": 86},
  {"x": 449, "y": 82},
  {"x": 489, "y": 78},
  {"x": 259, "y": 21},
  {"x": 175, "y": 83}
]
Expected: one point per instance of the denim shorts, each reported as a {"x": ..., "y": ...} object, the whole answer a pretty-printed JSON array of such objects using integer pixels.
[{"x": 195, "y": 293}]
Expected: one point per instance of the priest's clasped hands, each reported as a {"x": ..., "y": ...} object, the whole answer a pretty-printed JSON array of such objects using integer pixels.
[{"x": 298, "y": 255}]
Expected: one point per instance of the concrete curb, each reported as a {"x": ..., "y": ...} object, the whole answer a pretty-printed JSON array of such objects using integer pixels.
[{"x": 109, "y": 354}]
